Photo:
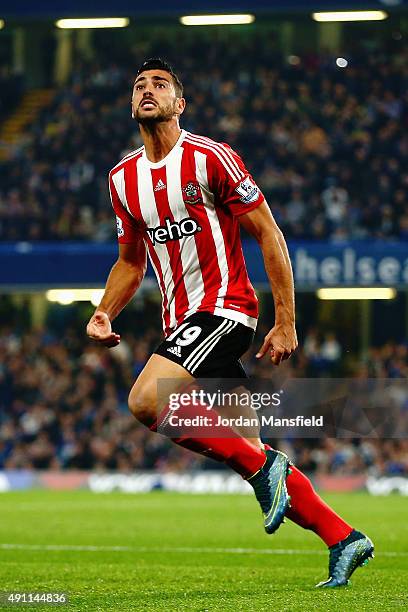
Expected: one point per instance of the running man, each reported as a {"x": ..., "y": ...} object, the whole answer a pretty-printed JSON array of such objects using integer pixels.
[{"x": 182, "y": 198}]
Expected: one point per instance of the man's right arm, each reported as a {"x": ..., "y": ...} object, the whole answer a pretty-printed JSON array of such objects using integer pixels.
[{"x": 123, "y": 281}]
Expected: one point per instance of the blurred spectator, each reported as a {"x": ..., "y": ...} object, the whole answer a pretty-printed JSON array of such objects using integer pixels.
[{"x": 330, "y": 349}]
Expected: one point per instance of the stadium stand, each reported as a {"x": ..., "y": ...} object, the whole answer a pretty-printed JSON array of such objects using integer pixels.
[
  {"x": 64, "y": 405},
  {"x": 324, "y": 143}
]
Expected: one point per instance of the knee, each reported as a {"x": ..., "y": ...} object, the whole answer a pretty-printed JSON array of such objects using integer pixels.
[{"x": 143, "y": 405}]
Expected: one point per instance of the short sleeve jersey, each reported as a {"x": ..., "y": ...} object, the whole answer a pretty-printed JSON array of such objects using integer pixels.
[{"x": 186, "y": 208}]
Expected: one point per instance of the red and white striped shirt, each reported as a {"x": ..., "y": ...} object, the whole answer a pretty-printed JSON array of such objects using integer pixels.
[{"x": 186, "y": 207}]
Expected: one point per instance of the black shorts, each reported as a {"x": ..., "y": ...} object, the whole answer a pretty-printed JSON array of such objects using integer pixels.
[{"x": 208, "y": 346}]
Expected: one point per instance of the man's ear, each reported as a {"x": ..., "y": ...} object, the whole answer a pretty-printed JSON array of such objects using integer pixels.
[{"x": 180, "y": 106}]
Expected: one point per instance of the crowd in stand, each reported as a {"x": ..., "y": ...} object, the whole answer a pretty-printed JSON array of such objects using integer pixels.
[
  {"x": 329, "y": 148},
  {"x": 63, "y": 405},
  {"x": 327, "y": 145}
]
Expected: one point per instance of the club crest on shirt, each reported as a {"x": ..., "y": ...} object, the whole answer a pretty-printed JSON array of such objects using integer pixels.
[
  {"x": 247, "y": 190},
  {"x": 192, "y": 193},
  {"x": 119, "y": 227}
]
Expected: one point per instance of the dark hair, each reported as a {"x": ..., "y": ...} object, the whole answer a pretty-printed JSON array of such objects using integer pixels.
[{"x": 156, "y": 63}]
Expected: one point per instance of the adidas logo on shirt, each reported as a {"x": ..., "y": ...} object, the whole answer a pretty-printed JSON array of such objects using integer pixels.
[
  {"x": 175, "y": 350},
  {"x": 160, "y": 185}
]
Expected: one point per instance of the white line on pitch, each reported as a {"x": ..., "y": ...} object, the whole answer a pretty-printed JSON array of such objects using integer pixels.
[{"x": 178, "y": 549}]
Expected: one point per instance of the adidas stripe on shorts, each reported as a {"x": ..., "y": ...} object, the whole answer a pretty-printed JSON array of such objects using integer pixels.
[{"x": 208, "y": 346}]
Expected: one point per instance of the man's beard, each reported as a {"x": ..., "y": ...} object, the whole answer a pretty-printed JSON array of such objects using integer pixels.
[{"x": 165, "y": 114}]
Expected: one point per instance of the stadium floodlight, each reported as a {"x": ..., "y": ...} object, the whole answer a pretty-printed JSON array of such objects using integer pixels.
[
  {"x": 197, "y": 20},
  {"x": 356, "y": 293},
  {"x": 99, "y": 22},
  {"x": 341, "y": 62},
  {"x": 1, "y": 24},
  {"x": 69, "y": 296},
  {"x": 350, "y": 16}
]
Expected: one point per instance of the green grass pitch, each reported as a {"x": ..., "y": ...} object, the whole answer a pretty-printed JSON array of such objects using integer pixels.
[{"x": 193, "y": 553}]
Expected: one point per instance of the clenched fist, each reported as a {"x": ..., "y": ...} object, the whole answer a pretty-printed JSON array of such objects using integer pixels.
[{"x": 99, "y": 329}]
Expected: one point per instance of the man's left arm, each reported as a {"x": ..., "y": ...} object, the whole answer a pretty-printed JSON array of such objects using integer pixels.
[{"x": 281, "y": 341}]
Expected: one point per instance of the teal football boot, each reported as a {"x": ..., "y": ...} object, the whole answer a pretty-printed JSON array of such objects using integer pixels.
[
  {"x": 269, "y": 484},
  {"x": 345, "y": 557}
]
